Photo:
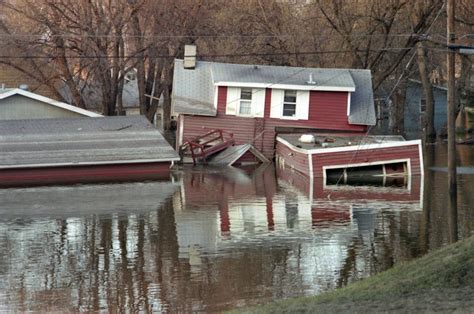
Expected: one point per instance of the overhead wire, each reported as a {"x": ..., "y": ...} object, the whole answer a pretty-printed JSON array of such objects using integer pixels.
[{"x": 225, "y": 55}]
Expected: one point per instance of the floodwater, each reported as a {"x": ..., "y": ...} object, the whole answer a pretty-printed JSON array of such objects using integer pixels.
[{"x": 214, "y": 239}]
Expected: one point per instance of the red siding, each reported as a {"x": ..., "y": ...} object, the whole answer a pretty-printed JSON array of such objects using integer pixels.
[
  {"x": 221, "y": 99},
  {"x": 85, "y": 174},
  {"x": 324, "y": 106},
  {"x": 328, "y": 110},
  {"x": 242, "y": 128},
  {"x": 268, "y": 103},
  {"x": 292, "y": 159},
  {"x": 368, "y": 155}
]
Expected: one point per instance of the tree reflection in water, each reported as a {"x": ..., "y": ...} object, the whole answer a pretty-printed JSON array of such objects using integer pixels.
[{"x": 213, "y": 240}]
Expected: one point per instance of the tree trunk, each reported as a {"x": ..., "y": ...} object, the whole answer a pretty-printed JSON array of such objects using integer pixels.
[
  {"x": 166, "y": 107},
  {"x": 428, "y": 119},
  {"x": 398, "y": 126},
  {"x": 463, "y": 91}
]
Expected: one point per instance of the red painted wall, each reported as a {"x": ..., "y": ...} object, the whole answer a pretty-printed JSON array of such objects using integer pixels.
[
  {"x": 221, "y": 99},
  {"x": 292, "y": 159},
  {"x": 85, "y": 174},
  {"x": 328, "y": 111}
]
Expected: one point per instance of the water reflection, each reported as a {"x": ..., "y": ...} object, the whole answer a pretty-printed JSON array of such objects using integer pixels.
[{"x": 213, "y": 239}]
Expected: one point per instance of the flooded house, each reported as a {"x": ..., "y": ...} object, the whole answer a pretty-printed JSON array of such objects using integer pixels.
[
  {"x": 80, "y": 150},
  {"x": 415, "y": 109},
  {"x": 314, "y": 120}
]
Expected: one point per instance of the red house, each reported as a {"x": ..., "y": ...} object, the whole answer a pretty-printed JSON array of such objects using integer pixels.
[{"x": 258, "y": 103}]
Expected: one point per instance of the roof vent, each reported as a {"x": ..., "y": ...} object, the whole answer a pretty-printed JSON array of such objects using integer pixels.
[
  {"x": 23, "y": 87},
  {"x": 189, "y": 56},
  {"x": 310, "y": 81}
]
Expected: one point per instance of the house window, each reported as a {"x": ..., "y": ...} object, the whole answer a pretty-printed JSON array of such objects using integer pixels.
[
  {"x": 422, "y": 105},
  {"x": 245, "y": 104},
  {"x": 289, "y": 103}
]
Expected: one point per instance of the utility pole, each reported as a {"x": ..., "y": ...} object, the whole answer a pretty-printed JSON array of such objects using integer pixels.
[{"x": 452, "y": 184}]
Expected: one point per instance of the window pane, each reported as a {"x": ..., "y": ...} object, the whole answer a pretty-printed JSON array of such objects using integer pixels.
[
  {"x": 245, "y": 107},
  {"x": 422, "y": 105},
  {"x": 289, "y": 110},
  {"x": 246, "y": 93},
  {"x": 290, "y": 96}
]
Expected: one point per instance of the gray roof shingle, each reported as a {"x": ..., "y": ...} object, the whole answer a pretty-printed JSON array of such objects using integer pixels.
[
  {"x": 193, "y": 90},
  {"x": 81, "y": 141},
  {"x": 267, "y": 74}
]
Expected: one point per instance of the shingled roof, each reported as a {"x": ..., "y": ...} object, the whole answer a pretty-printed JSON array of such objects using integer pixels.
[
  {"x": 193, "y": 89},
  {"x": 81, "y": 141}
]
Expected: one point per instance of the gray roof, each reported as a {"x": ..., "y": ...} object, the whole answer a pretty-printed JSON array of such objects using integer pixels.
[
  {"x": 268, "y": 74},
  {"x": 362, "y": 100},
  {"x": 193, "y": 90},
  {"x": 84, "y": 200},
  {"x": 81, "y": 141}
]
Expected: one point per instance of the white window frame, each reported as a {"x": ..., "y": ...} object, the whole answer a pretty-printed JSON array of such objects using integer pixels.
[
  {"x": 294, "y": 116},
  {"x": 249, "y": 101}
]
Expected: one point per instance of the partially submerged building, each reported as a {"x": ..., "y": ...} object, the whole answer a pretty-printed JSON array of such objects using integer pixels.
[
  {"x": 70, "y": 150},
  {"x": 261, "y": 105},
  {"x": 257, "y": 102}
]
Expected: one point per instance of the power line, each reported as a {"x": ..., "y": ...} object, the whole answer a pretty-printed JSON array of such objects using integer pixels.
[
  {"x": 72, "y": 35},
  {"x": 296, "y": 53}
]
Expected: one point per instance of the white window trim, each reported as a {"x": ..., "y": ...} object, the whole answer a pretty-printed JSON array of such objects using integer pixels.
[
  {"x": 239, "y": 102},
  {"x": 287, "y": 86},
  {"x": 294, "y": 116},
  {"x": 348, "y": 104},
  {"x": 244, "y": 114}
]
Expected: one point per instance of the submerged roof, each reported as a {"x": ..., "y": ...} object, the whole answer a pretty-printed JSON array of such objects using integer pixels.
[
  {"x": 5, "y": 93},
  {"x": 81, "y": 141},
  {"x": 84, "y": 200},
  {"x": 193, "y": 89}
]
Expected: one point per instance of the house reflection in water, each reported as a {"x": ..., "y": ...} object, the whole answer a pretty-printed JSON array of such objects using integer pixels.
[
  {"x": 214, "y": 239},
  {"x": 325, "y": 237}
]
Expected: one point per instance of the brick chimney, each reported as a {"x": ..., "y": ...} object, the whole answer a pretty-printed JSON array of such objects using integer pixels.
[{"x": 189, "y": 57}]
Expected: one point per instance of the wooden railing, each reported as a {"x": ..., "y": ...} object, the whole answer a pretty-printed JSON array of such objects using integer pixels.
[{"x": 207, "y": 144}]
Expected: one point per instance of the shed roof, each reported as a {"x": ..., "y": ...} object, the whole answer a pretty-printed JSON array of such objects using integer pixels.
[
  {"x": 5, "y": 93},
  {"x": 193, "y": 89},
  {"x": 81, "y": 141}
]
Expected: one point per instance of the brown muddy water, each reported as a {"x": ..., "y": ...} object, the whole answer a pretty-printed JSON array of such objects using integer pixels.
[{"x": 216, "y": 239}]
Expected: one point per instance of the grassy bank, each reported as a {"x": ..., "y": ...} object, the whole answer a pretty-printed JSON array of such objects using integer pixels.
[{"x": 440, "y": 281}]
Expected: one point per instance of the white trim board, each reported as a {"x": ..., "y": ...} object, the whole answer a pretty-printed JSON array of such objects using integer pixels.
[
  {"x": 49, "y": 101},
  {"x": 348, "y": 104},
  {"x": 349, "y": 148},
  {"x": 288, "y": 86}
]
